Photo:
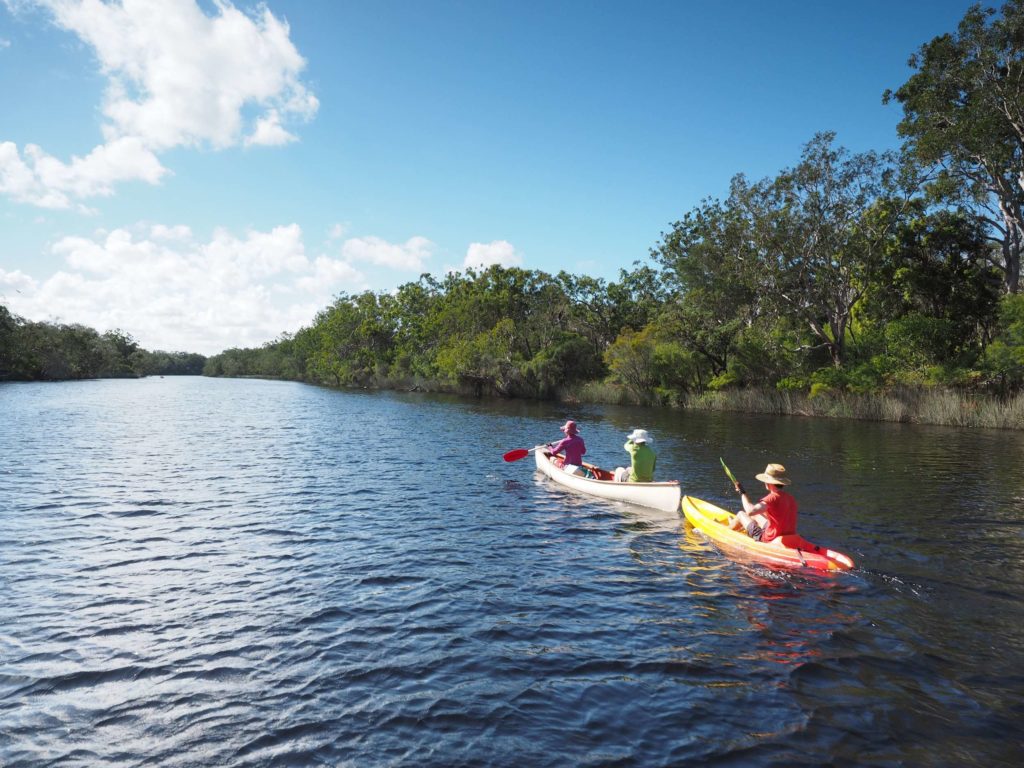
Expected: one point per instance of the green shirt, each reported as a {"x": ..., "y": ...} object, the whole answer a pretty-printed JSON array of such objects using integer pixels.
[{"x": 643, "y": 462}]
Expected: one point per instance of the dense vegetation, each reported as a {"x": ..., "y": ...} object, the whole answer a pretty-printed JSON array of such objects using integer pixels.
[
  {"x": 845, "y": 274},
  {"x": 830, "y": 277},
  {"x": 46, "y": 352}
]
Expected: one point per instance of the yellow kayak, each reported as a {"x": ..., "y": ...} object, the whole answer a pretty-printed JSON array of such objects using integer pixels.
[{"x": 788, "y": 551}]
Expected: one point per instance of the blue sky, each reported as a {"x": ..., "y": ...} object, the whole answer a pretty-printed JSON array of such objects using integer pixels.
[{"x": 206, "y": 176}]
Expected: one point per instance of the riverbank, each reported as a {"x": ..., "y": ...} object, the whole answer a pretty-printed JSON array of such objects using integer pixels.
[{"x": 940, "y": 407}]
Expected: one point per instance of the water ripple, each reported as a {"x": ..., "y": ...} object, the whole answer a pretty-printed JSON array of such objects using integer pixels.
[{"x": 244, "y": 573}]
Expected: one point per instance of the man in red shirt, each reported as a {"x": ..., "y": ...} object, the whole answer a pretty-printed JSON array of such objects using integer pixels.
[{"x": 772, "y": 516}]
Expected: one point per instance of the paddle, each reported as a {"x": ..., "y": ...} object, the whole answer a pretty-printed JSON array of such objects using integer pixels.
[
  {"x": 731, "y": 476},
  {"x": 519, "y": 453}
]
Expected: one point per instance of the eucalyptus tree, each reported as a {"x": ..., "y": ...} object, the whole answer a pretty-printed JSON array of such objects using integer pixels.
[
  {"x": 587, "y": 309},
  {"x": 784, "y": 260},
  {"x": 491, "y": 324},
  {"x": 353, "y": 339},
  {"x": 936, "y": 296},
  {"x": 599, "y": 311},
  {"x": 817, "y": 239},
  {"x": 415, "y": 344},
  {"x": 706, "y": 259},
  {"x": 963, "y": 119}
]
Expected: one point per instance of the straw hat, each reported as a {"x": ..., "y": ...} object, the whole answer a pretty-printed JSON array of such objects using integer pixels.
[
  {"x": 638, "y": 436},
  {"x": 774, "y": 474},
  {"x": 570, "y": 427}
]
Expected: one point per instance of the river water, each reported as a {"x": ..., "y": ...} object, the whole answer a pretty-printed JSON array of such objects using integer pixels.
[{"x": 251, "y": 573}]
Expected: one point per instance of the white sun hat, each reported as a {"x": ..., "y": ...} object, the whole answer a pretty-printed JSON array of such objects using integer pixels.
[{"x": 639, "y": 436}]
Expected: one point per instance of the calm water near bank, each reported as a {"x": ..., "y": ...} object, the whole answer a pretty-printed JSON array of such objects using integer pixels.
[{"x": 252, "y": 573}]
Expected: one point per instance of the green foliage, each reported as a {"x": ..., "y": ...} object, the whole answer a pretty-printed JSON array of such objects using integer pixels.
[
  {"x": 1003, "y": 360},
  {"x": 48, "y": 352},
  {"x": 726, "y": 380},
  {"x": 630, "y": 359},
  {"x": 568, "y": 360},
  {"x": 676, "y": 368},
  {"x": 860, "y": 379},
  {"x": 792, "y": 384},
  {"x": 964, "y": 123},
  {"x": 935, "y": 296},
  {"x": 706, "y": 266},
  {"x": 794, "y": 254}
]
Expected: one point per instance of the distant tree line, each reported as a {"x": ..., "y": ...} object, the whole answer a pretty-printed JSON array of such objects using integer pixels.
[
  {"x": 47, "y": 352},
  {"x": 848, "y": 272},
  {"x": 511, "y": 332}
]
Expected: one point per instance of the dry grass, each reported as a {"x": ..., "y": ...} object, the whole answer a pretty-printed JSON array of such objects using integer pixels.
[
  {"x": 919, "y": 406},
  {"x": 940, "y": 407}
]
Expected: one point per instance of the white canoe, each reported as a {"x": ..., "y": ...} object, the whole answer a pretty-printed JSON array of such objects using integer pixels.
[{"x": 663, "y": 496}]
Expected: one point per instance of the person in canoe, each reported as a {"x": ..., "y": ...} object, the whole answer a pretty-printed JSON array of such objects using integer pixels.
[
  {"x": 642, "y": 459},
  {"x": 772, "y": 516},
  {"x": 571, "y": 445}
]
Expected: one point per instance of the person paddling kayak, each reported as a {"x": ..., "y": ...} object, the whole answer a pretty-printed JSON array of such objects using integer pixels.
[
  {"x": 774, "y": 515},
  {"x": 572, "y": 445}
]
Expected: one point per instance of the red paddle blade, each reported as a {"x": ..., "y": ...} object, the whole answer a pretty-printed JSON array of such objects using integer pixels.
[{"x": 517, "y": 454}]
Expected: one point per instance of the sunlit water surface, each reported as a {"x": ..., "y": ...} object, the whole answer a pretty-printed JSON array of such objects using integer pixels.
[{"x": 252, "y": 573}]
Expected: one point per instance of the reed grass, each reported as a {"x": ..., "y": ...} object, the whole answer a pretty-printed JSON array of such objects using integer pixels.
[
  {"x": 935, "y": 406},
  {"x": 603, "y": 392},
  {"x": 928, "y": 406}
]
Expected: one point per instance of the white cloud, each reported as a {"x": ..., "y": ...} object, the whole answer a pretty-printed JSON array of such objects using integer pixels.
[
  {"x": 269, "y": 132},
  {"x": 4, "y": 43},
  {"x": 17, "y": 281},
  {"x": 162, "y": 232},
  {"x": 261, "y": 254},
  {"x": 48, "y": 182},
  {"x": 176, "y": 77},
  {"x": 327, "y": 271},
  {"x": 410, "y": 256},
  {"x": 174, "y": 293},
  {"x": 483, "y": 255}
]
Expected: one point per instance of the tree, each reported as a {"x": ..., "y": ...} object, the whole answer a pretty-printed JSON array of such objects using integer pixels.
[
  {"x": 818, "y": 237},
  {"x": 706, "y": 258},
  {"x": 411, "y": 307},
  {"x": 632, "y": 362},
  {"x": 353, "y": 338},
  {"x": 123, "y": 352},
  {"x": 1004, "y": 357},
  {"x": 9, "y": 325},
  {"x": 795, "y": 252},
  {"x": 935, "y": 289},
  {"x": 963, "y": 119},
  {"x": 569, "y": 359}
]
